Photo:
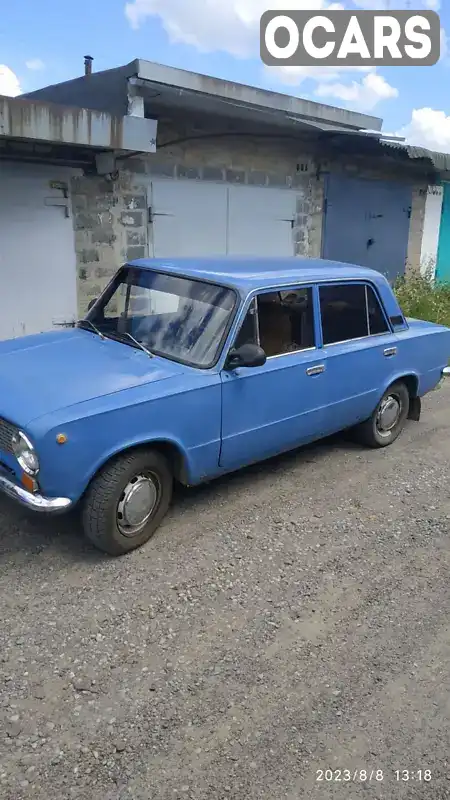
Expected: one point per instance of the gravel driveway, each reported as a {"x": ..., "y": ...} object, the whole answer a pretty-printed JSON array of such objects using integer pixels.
[{"x": 288, "y": 619}]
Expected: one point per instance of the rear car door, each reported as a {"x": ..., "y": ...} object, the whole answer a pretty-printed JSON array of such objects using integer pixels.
[
  {"x": 360, "y": 350},
  {"x": 276, "y": 407}
]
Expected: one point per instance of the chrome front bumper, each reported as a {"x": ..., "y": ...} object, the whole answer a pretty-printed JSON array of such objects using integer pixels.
[{"x": 35, "y": 502}]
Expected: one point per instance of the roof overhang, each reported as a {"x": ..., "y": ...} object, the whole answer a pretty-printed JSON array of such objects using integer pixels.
[
  {"x": 240, "y": 116},
  {"x": 189, "y": 90},
  {"x": 49, "y": 123}
]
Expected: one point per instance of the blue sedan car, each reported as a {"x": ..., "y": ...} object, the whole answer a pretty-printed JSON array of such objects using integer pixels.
[{"x": 184, "y": 370}]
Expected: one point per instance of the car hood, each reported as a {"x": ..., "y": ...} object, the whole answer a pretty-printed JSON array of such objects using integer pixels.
[{"x": 50, "y": 371}]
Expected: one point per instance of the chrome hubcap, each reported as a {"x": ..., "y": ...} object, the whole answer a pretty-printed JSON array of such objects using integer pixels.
[
  {"x": 137, "y": 504},
  {"x": 388, "y": 415}
]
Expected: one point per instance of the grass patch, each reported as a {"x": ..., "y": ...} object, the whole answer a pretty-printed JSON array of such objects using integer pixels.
[{"x": 422, "y": 298}]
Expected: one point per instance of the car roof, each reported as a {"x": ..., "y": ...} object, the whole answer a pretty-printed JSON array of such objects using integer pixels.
[{"x": 247, "y": 274}]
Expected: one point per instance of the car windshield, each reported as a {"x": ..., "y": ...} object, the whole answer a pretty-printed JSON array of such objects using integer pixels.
[{"x": 174, "y": 317}]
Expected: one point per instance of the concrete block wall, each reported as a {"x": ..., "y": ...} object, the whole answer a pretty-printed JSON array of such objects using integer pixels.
[{"x": 110, "y": 220}]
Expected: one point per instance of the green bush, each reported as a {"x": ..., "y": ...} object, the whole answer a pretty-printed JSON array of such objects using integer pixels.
[{"x": 422, "y": 298}]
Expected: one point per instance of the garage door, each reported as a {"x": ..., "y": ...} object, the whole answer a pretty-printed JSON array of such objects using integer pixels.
[
  {"x": 37, "y": 252},
  {"x": 190, "y": 218},
  {"x": 260, "y": 221},
  {"x": 367, "y": 223}
]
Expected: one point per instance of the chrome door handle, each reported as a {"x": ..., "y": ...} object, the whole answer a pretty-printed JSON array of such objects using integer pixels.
[
  {"x": 390, "y": 351},
  {"x": 316, "y": 370}
]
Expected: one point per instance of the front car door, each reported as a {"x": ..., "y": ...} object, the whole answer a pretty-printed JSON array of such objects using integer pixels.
[
  {"x": 270, "y": 409},
  {"x": 360, "y": 350}
]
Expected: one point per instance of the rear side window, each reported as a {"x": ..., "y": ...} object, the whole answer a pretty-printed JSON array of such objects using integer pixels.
[
  {"x": 350, "y": 311},
  {"x": 377, "y": 319}
]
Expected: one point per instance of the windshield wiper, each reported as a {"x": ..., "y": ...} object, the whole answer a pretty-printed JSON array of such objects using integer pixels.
[
  {"x": 122, "y": 333},
  {"x": 94, "y": 328},
  {"x": 138, "y": 344}
]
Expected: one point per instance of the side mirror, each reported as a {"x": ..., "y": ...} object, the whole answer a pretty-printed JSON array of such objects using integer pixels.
[
  {"x": 248, "y": 355},
  {"x": 92, "y": 303}
]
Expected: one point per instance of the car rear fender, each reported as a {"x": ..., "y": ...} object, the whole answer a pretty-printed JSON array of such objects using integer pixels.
[{"x": 411, "y": 380}]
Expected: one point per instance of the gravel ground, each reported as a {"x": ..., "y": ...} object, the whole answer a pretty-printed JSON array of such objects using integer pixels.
[{"x": 288, "y": 619}]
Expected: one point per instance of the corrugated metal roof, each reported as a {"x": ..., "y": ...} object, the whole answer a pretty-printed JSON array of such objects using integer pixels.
[{"x": 441, "y": 161}]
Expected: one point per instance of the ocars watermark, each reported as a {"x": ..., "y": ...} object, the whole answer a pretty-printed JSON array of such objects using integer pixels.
[{"x": 350, "y": 38}]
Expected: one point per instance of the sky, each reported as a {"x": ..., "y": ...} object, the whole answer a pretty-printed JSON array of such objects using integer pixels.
[{"x": 44, "y": 42}]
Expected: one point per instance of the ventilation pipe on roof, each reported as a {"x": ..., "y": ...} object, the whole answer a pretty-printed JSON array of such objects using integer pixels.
[{"x": 88, "y": 65}]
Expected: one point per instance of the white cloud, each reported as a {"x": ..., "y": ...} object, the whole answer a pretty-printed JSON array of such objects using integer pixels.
[
  {"x": 9, "y": 82},
  {"x": 35, "y": 64},
  {"x": 294, "y": 76},
  {"x": 363, "y": 95},
  {"x": 209, "y": 25},
  {"x": 233, "y": 26},
  {"x": 428, "y": 128}
]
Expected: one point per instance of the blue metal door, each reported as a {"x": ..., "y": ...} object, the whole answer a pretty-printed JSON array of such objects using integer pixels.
[
  {"x": 366, "y": 222},
  {"x": 267, "y": 410}
]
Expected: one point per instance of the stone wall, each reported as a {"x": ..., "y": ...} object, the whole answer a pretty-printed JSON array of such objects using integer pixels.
[{"x": 110, "y": 220}]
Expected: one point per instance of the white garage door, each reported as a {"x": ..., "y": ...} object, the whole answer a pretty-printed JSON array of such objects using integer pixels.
[
  {"x": 260, "y": 221},
  {"x": 201, "y": 219},
  {"x": 37, "y": 251},
  {"x": 189, "y": 219}
]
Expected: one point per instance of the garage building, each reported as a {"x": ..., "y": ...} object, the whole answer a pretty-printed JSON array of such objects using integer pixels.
[{"x": 191, "y": 165}]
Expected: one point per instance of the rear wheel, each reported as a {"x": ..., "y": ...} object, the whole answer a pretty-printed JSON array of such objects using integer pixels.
[
  {"x": 127, "y": 501},
  {"x": 388, "y": 419}
]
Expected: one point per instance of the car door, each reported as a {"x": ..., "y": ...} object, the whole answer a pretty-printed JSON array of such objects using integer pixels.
[
  {"x": 277, "y": 406},
  {"x": 360, "y": 351}
]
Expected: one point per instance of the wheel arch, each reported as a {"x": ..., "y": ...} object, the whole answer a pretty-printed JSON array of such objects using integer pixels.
[
  {"x": 411, "y": 381},
  {"x": 173, "y": 451}
]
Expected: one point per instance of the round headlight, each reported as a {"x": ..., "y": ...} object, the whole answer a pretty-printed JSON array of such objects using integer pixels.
[{"x": 25, "y": 453}]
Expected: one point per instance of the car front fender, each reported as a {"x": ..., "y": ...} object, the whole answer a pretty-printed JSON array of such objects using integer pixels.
[{"x": 177, "y": 454}]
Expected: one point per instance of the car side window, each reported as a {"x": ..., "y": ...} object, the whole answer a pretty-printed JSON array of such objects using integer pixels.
[
  {"x": 286, "y": 321},
  {"x": 280, "y": 322},
  {"x": 350, "y": 311},
  {"x": 343, "y": 312},
  {"x": 377, "y": 319}
]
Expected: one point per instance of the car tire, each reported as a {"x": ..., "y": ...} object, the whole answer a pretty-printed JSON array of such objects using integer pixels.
[
  {"x": 394, "y": 407},
  {"x": 126, "y": 501}
]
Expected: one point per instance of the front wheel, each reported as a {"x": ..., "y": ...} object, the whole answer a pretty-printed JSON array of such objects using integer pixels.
[
  {"x": 388, "y": 419},
  {"x": 127, "y": 501}
]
